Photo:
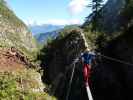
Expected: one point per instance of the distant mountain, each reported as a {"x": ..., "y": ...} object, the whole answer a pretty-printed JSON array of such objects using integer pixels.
[
  {"x": 37, "y": 29},
  {"x": 42, "y": 37}
]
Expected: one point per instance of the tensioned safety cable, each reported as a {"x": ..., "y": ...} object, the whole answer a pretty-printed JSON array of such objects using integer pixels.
[
  {"x": 70, "y": 82},
  {"x": 116, "y": 60}
]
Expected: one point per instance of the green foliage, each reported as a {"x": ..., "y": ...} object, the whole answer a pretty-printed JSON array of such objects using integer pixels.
[
  {"x": 12, "y": 36},
  {"x": 98, "y": 40},
  {"x": 8, "y": 87},
  {"x": 31, "y": 55},
  {"x": 96, "y": 6},
  {"x": 49, "y": 40},
  {"x": 67, "y": 30},
  {"x": 8, "y": 14},
  {"x": 62, "y": 33},
  {"x": 11, "y": 86},
  {"x": 92, "y": 38},
  {"x": 93, "y": 21},
  {"x": 47, "y": 52}
]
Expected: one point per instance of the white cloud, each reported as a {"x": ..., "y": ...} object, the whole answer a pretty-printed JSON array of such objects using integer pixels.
[
  {"x": 74, "y": 21},
  {"x": 77, "y": 6},
  {"x": 53, "y": 22}
]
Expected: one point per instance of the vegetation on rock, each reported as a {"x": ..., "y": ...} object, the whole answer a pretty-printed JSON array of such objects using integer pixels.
[
  {"x": 14, "y": 33},
  {"x": 21, "y": 85}
]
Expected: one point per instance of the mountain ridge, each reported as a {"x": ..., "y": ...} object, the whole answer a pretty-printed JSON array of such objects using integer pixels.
[{"x": 44, "y": 28}]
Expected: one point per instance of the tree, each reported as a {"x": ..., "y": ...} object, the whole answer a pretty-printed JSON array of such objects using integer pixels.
[{"x": 96, "y": 6}]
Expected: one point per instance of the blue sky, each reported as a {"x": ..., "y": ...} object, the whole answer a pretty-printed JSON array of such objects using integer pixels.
[{"x": 50, "y": 11}]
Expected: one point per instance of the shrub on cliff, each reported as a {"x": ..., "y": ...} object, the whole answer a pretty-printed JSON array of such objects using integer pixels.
[{"x": 20, "y": 85}]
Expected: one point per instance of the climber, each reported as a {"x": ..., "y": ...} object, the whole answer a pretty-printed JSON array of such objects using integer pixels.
[{"x": 87, "y": 57}]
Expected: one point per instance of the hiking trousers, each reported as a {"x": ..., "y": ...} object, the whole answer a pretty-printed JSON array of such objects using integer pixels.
[{"x": 86, "y": 73}]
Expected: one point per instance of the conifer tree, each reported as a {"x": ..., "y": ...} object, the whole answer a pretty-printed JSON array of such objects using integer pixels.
[{"x": 96, "y": 6}]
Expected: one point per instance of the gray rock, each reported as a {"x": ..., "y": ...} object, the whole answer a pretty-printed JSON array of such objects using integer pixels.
[{"x": 13, "y": 32}]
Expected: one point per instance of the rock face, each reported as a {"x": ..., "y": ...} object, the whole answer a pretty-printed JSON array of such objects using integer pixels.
[
  {"x": 112, "y": 80},
  {"x": 13, "y": 32},
  {"x": 63, "y": 52},
  {"x": 59, "y": 58},
  {"x": 111, "y": 19}
]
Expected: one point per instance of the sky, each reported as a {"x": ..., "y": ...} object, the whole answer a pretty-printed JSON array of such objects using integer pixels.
[{"x": 56, "y": 12}]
